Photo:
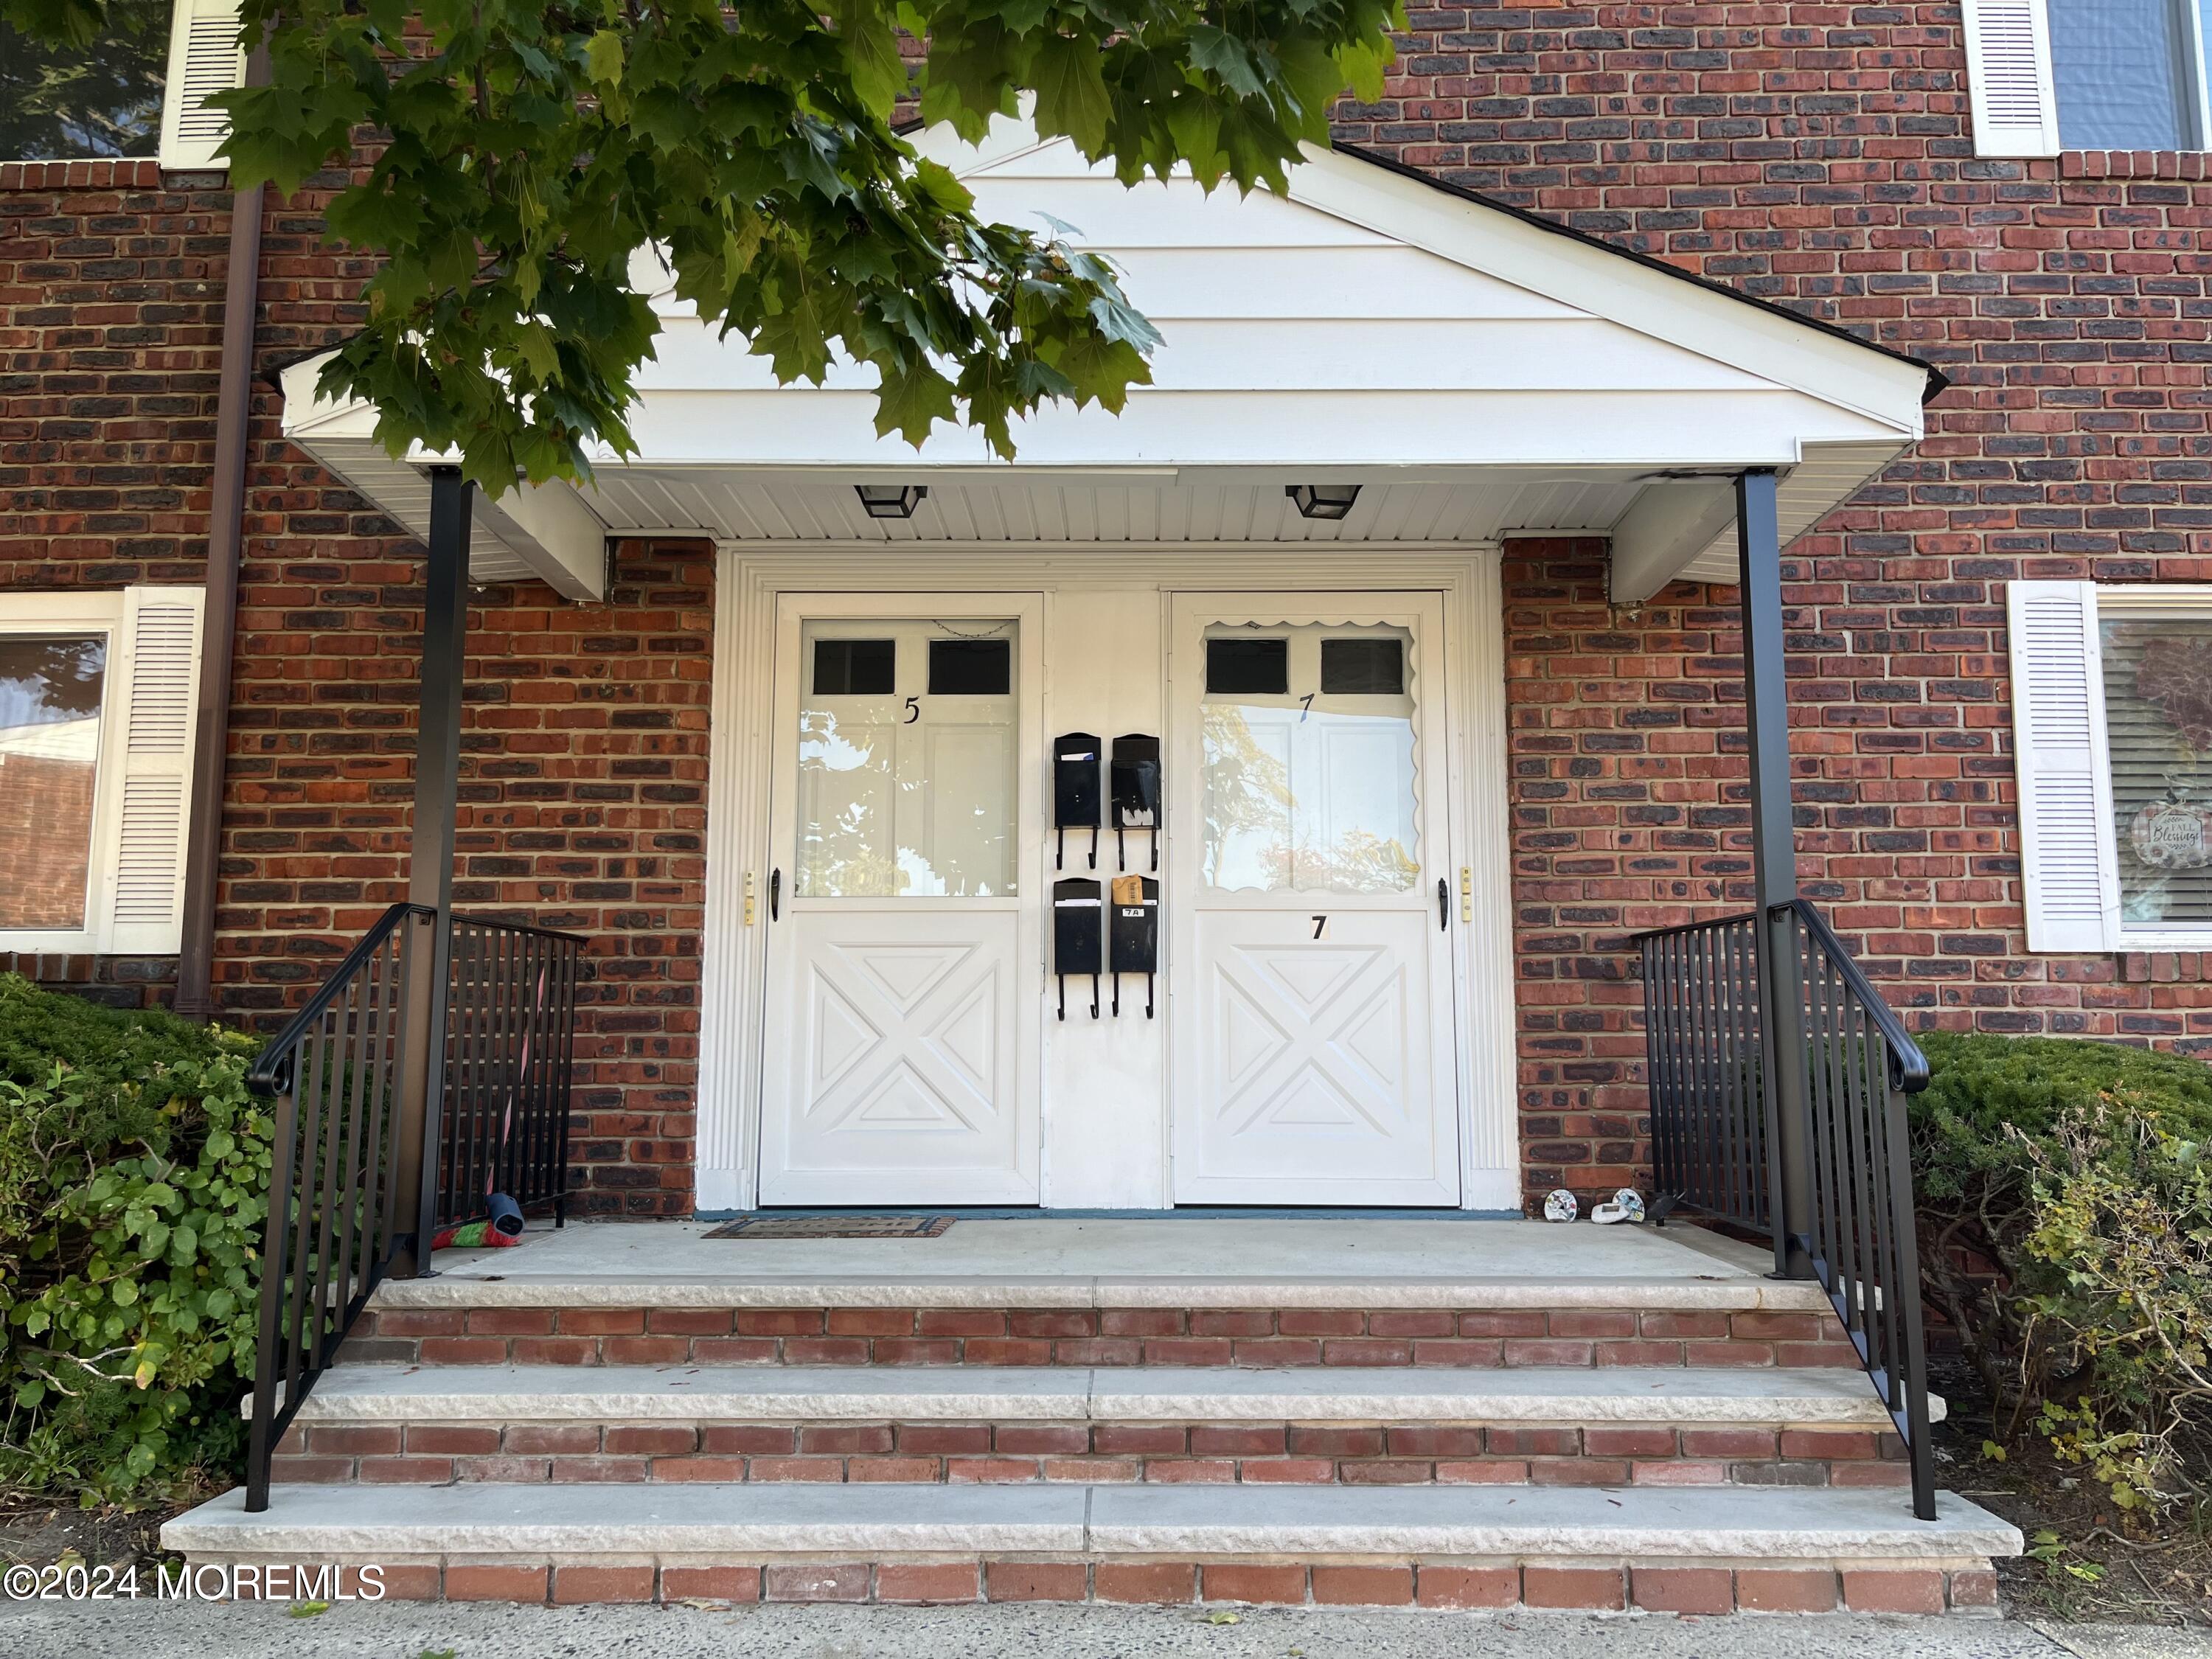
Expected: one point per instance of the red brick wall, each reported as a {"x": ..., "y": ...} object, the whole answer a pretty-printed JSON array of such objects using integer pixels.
[
  {"x": 584, "y": 766},
  {"x": 1820, "y": 155},
  {"x": 583, "y": 805},
  {"x": 1817, "y": 154},
  {"x": 111, "y": 307},
  {"x": 583, "y": 763}
]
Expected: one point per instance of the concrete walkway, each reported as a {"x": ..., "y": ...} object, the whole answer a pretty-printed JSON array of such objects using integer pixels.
[
  {"x": 405, "y": 1631},
  {"x": 1040, "y": 1260}
]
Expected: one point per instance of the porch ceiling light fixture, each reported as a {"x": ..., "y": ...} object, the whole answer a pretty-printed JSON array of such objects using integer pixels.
[
  {"x": 1323, "y": 500},
  {"x": 891, "y": 501}
]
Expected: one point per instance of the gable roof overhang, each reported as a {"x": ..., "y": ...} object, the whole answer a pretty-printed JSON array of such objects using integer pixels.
[{"x": 1478, "y": 372}]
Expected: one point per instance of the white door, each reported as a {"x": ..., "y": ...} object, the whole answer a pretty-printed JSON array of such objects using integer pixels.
[
  {"x": 1313, "y": 1037},
  {"x": 900, "y": 1050}
]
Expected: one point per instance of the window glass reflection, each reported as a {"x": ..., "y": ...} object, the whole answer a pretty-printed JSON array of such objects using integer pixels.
[
  {"x": 50, "y": 691},
  {"x": 905, "y": 792},
  {"x": 1310, "y": 789}
]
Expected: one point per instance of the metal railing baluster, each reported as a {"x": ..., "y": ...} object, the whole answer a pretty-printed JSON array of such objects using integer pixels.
[
  {"x": 340, "y": 1212},
  {"x": 1848, "y": 1066}
]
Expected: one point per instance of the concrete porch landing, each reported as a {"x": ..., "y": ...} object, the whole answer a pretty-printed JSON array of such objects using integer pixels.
[{"x": 1166, "y": 1261}]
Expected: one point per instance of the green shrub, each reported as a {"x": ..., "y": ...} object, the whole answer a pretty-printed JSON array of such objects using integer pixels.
[
  {"x": 2122, "y": 1239},
  {"x": 2043, "y": 1168},
  {"x": 133, "y": 1170}
]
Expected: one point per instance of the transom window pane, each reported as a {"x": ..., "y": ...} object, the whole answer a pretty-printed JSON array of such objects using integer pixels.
[
  {"x": 2158, "y": 720},
  {"x": 907, "y": 767},
  {"x": 971, "y": 668},
  {"x": 1363, "y": 668},
  {"x": 1257, "y": 665},
  {"x": 1312, "y": 788},
  {"x": 854, "y": 668},
  {"x": 51, "y": 690}
]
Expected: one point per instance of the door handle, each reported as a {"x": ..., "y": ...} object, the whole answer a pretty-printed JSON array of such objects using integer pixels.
[
  {"x": 775, "y": 892},
  {"x": 1443, "y": 905}
]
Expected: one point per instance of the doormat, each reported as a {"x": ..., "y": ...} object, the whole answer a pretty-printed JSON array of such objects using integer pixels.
[{"x": 834, "y": 1226}]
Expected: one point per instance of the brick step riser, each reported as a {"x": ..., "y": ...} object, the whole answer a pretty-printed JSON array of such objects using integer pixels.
[
  {"x": 1706, "y": 1588},
  {"x": 1246, "y": 1337},
  {"x": 435, "y": 1454}
]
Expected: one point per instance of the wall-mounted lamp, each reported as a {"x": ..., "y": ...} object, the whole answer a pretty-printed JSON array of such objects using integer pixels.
[
  {"x": 1323, "y": 500},
  {"x": 891, "y": 501}
]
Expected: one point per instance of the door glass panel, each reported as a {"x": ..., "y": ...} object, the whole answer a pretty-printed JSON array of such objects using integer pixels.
[
  {"x": 971, "y": 668},
  {"x": 1248, "y": 665},
  {"x": 848, "y": 668},
  {"x": 1312, "y": 788},
  {"x": 1368, "y": 668},
  {"x": 50, "y": 691},
  {"x": 906, "y": 762}
]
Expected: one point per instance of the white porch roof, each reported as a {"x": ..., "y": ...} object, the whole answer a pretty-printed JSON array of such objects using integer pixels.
[{"x": 1477, "y": 372}]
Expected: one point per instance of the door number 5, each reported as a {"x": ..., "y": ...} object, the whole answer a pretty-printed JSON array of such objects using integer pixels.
[{"x": 912, "y": 710}]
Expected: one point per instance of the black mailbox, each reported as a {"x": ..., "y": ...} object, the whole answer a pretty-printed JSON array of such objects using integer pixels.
[
  {"x": 1134, "y": 790},
  {"x": 1078, "y": 926},
  {"x": 1133, "y": 934},
  {"x": 1074, "y": 792}
]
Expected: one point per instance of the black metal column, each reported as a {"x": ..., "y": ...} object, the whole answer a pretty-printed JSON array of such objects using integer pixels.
[
  {"x": 1774, "y": 869},
  {"x": 430, "y": 870}
]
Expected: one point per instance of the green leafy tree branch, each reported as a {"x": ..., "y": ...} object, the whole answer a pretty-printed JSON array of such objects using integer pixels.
[{"x": 523, "y": 150}]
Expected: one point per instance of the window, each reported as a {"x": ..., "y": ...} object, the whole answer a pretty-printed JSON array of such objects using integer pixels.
[
  {"x": 908, "y": 780},
  {"x": 854, "y": 668},
  {"x": 136, "y": 91},
  {"x": 1367, "y": 667},
  {"x": 95, "y": 768},
  {"x": 1256, "y": 667},
  {"x": 971, "y": 668},
  {"x": 2052, "y": 75},
  {"x": 1307, "y": 757}
]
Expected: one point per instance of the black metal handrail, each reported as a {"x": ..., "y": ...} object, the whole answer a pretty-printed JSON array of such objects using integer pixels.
[
  {"x": 509, "y": 1060},
  {"x": 1711, "y": 1148},
  {"x": 390, "y": 1061},
  {"x": 1777, "y": 1076},
  {"x": 1861, "y": 1231},
  {"x": 336, "y": 1071}
]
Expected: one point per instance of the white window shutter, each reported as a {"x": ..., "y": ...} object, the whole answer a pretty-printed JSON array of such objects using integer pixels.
[
  {"x": 2068, "y": 861},
  {"x": 159, "y": 677},
  {"x": 205, "y": 58},
  {"x": 2010, "y": 82}
]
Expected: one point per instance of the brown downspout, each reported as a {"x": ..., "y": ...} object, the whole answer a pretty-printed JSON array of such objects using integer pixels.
[{"x": 233, "y": 419}]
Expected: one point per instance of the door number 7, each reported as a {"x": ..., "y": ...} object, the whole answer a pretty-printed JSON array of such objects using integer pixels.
[{"x": 1321, "y": 925}]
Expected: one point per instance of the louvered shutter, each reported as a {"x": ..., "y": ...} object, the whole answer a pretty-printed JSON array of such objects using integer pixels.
[
  {"x": 2010, "y": 82},
  {"x": 159, "y": 675},
  {"x": 2068, "y": 860},
  {"x": 205, "y": 58}
]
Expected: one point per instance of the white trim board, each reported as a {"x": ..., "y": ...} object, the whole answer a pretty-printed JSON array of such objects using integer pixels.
[
  {"x": 749, "y": 578},
  {"x": 1365, "y": 326}
]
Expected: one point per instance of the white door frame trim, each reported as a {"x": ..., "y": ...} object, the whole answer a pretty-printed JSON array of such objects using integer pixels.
[{"x": 751, "y": 576}]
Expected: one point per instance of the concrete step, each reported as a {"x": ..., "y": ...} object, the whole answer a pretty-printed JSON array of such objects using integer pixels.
[
  {"x": 1702, "y": 1551},
  {"x": 1670, "y": 1425},
  {"x": 355, "y": 1393}
]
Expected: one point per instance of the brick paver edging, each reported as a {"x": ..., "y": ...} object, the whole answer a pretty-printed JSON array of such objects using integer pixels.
[
  {"x": 1250, "y": 1337},
  {"x": 1579, "y": 1586},
  {"x": 971, "y": 1453}
]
